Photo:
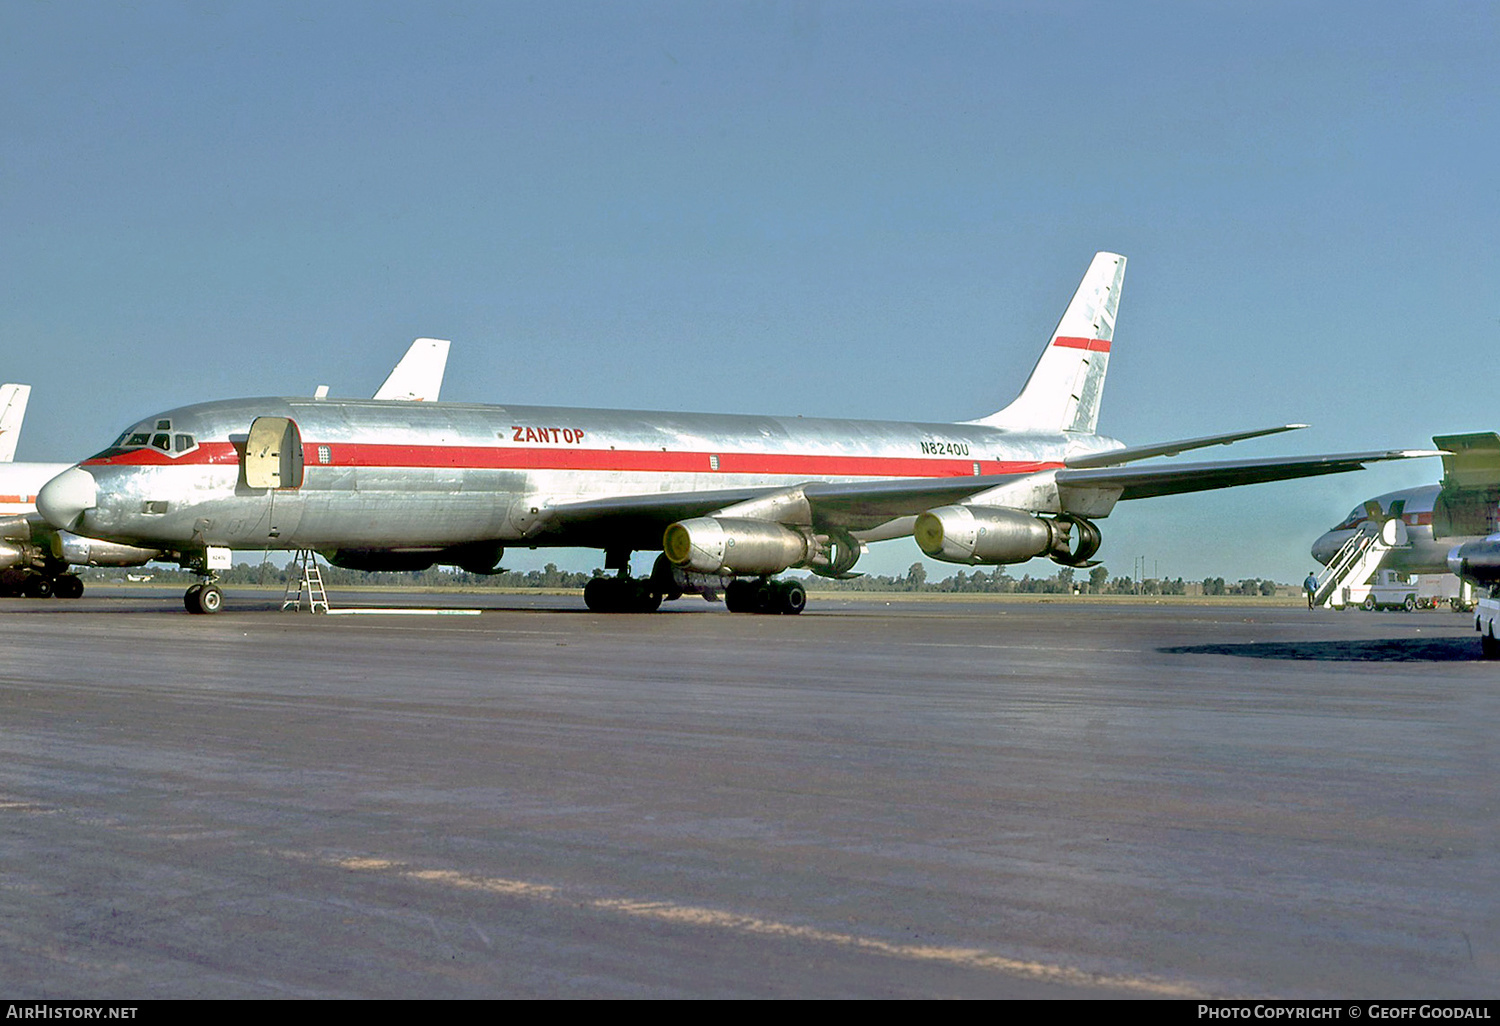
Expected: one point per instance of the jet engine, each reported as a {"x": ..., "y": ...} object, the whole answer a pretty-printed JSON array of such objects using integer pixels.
[
  {"x": 1477, "y": 561},
  {"x": 76, "y": 550},
  {"x": 714, "y": 545},
  {"x": 11, "y": 555},
  {"x": 991, "y": 535}
]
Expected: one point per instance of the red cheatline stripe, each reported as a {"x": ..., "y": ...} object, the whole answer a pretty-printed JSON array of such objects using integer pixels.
[
  {"x": 1093, "y": 345},
  {"x": 356, "y": 454}
]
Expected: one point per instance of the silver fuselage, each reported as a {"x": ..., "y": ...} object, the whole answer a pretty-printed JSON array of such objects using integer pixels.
[
  {"x": 1423, "y": 554},
  {"x": 429, "y": 476}
]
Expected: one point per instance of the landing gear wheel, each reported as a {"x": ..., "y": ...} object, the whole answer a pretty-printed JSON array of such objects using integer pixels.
[
  {"x": 37, "y": 587},
  {"x": 620, "y": 595},
  {"x": 203, "y": 598},
  {"x": 739, "y": 596},
  {"x": 791, "y": 597},
  {"x": 68, "y": 586},
  {"x": 598, "y": 595}
]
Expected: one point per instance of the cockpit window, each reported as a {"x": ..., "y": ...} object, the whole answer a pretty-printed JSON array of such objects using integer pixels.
[
  {"x": 1357, "y": 516},
  {"x": 162, "y": 439}
]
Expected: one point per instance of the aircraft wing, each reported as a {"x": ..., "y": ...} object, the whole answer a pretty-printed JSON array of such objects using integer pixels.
[
  {"x": 1149, "y": 482},
  {"x": 860, "y": 505},
  {"x": 1114, "y": 457}
]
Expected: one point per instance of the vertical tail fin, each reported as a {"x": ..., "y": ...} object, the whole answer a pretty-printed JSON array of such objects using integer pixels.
[
  {"x": 418, "y": 377},
  {"x": 1067, "y": 383},
  {"x": 13, "y": 399}
]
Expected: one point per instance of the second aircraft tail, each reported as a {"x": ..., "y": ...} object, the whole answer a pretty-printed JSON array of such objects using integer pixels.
[{"x": 13, "y": 400}]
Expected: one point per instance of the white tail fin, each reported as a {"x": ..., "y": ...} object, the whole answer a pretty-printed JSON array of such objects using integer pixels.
[
  {"x": 419, "y": 375},
  {"x": 13, "y": 399},
  {"x": 1067, "y": 383}
]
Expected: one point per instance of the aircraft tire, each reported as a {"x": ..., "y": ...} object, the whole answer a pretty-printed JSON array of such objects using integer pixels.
[
  {"x": 210, "y": 599},
  {"x": 737, "y": 597},
  {"x": 791, "y": 597},
  {"x": 37, "y": 587},
  {"x": 68, "y": 586},
  {"x": 599, "y": 595},
  {"x": 190, "y": 599}
]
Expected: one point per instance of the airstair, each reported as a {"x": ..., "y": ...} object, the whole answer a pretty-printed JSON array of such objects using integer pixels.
[
  {"x": 1357, "y": 561},
  {"x": 309, "y": 581}
]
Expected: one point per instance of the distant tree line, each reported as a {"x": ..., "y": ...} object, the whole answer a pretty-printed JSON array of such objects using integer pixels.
[{"x": 1066, "y": 581}]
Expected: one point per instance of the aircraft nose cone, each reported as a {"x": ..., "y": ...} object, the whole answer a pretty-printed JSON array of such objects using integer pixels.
[
  {"x": 64, "y": 499},
  {"x": 1326, "y": 547}
]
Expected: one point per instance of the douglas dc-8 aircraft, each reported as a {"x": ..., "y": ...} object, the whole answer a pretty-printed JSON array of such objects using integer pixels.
[
  {"x": 35, "y": 556},
  {"x": 731, "y": 500}
]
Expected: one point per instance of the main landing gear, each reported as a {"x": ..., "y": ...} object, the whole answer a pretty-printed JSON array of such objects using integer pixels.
[
  {"x": 620, "y": 595},
  {"x": 40, "y": 585},
  {"x": 625, "y": 594},
  {"x": 204, "y": 597},
  {"x": 766, "y": 596}
]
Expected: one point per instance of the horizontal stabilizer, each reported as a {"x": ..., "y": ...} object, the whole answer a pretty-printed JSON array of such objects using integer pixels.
[{"x": 1115, "y": 457}]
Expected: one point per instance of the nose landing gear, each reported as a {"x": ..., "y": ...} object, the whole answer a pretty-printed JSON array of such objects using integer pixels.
[{"x": 204, "y": 598}]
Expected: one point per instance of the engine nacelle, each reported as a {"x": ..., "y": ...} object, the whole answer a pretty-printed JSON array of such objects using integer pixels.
[
  {"x": 12, "y": 554},
  {"x": 986, "y": 535},
  {"x": 713, "y": 545},
  {"x": 77, "y": 550},
  {"x": 1477, "y": 561}
]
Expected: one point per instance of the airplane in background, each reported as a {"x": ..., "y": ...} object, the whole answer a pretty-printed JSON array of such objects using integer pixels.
[
  {"x": 35, "y": 556},
  {"x": 730, "y": 500},
  {"x": 13, "y": 399},
  {"x": 1433, "y": 519}
]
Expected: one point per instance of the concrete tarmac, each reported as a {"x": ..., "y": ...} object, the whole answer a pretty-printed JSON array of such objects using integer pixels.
[{"x": 874, "y": 799}]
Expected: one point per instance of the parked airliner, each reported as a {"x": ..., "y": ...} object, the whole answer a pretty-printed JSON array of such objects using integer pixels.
[
  {"x": 730, "y": 500},
  {"x": 1438, "y": 517}
]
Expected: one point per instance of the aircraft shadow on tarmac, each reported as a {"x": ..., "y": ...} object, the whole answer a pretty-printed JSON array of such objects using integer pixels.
[{"x": 1403, "y": 650}]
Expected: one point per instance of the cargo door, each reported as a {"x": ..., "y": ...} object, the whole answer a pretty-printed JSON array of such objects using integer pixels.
[
  {"x": 273, "y": 461},
  {"x": 273, "y": 454}
]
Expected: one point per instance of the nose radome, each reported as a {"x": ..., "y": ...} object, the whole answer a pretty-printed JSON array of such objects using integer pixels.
[{"x": 64, "y": 499}]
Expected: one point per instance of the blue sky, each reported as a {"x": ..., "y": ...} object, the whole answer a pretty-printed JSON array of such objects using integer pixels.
[{"x": 871, "y": 209}]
